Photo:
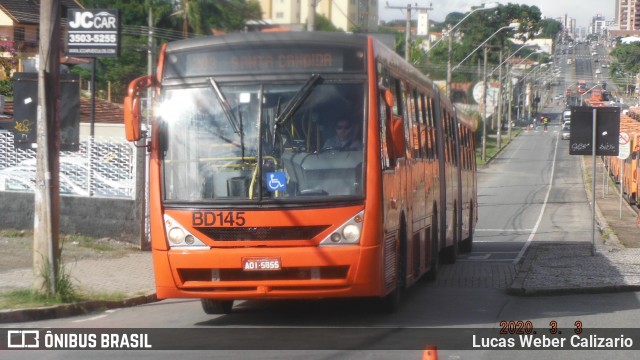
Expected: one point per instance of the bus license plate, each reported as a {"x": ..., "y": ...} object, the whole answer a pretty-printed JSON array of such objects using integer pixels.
[{"x": 261, "y": 264}]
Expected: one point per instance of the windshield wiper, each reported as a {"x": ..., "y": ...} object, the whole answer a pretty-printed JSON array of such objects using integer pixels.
[
  {"x": 226, "y": 108},
  {"x": 301, "y": 96}
]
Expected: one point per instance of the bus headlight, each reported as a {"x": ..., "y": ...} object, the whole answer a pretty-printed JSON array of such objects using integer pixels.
[
  {"x": 179, "y": 237},
  {"x": 176, "y": 236},
  {"x": 351, "y": 233},
  {"x": 347, "y": 234}
]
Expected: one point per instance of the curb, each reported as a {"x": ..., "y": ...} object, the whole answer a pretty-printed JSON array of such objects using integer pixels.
[
  {"x": 66, "y": 310},
  {"x": 517, "y": 285},
  {"x": 573, "y": 291}
]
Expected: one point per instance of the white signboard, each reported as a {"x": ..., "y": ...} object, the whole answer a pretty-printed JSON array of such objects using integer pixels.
[{"x": 625, "y": 147}]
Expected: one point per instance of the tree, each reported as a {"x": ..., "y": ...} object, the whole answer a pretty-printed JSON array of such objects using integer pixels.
[
  {"x": 228, "y": 15},
  {"x": 477, "y": 28},
  {"x": 322, "y": 23},
  {"x": 549, "y": 29}
]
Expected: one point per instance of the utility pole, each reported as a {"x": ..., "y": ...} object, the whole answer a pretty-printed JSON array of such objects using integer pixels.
[
  {"x": 509, "y": 102},
  {"x": 311, "y": 16},
  {"x": 46, "y": 224},
  {"x": 499, "y": 118},
  {"x": 407, "y": 34},
  {"x": 484, "y": 106},
  {"x": 448, "y": 87}
]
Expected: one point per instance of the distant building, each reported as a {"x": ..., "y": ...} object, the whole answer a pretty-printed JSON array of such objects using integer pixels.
[
  {"x": 344, "y": 14},
  {"x": 628, "y": 14},
  {"x": 19, "y": 29}
]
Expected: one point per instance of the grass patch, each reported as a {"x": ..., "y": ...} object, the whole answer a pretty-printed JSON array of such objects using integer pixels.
[
  {"x": 14, "y": 233},
  {"x": 99, "y": 245},
  {"x": 491, "y": 146},
  {"x": 27, "y": 299}
]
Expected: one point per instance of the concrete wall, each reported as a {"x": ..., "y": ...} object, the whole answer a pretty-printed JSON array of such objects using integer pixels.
[{"x": 91, "y": 216}]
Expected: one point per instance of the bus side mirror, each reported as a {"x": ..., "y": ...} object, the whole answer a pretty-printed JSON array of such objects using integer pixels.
[
  {"x": 399, "y": 141},
  {"x": 388, "y": 98},
  {"x": 132, "y": 106}
]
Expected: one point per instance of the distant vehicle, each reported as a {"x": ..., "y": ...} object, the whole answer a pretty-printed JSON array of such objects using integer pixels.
[
  {"x": 566, "y": 115},
  {"x": 598, "y": 71},
  {"x": 522, "y": 122},
  {"x": 566, "y": 131},
  {"x": 582, "y": 87}
]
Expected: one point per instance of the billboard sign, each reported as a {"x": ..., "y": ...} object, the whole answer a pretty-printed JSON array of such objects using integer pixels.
[
  {"x": 93, "y": 33},
  {"x": 606, "y": 133}
]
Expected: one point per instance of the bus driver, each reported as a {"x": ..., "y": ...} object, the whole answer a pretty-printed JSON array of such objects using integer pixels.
[{"x": 345, "y": 138}]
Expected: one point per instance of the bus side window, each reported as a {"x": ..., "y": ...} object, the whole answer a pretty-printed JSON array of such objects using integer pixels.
[{"x": 383, "y": 115}]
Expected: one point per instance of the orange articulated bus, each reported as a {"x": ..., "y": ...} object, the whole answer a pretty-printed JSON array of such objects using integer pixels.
[
  {"x": 582, "y": 86},
  {"x": 247, "y": 200},
  {"x": 630, "y": 173}
]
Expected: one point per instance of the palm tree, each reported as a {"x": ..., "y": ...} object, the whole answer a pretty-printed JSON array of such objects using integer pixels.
[{"x": 190, "y": 12}]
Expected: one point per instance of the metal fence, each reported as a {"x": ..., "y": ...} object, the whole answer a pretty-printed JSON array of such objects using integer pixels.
[{"x": 101, "y": 167}]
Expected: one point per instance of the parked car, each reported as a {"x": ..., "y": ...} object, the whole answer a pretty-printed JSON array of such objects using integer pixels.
[
  {"x": 106, "y": 179},
  {"x": 566, "y": 131},
  {"x": 522, "y": 122},
  {"x": 23, "y": 178}
]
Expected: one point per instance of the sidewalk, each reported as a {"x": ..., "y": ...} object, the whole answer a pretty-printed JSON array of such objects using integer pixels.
[
  {"x": 130, "y": 277},
  {"x": 566, "y": 268},
  {"x": 546, "y": 269}
]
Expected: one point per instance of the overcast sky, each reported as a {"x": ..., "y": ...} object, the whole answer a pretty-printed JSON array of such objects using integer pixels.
[{"x": 582, "y": 10}]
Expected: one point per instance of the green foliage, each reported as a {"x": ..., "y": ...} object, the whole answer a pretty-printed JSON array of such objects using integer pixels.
[
  {"x": 6, "y": 88},
  {"x": 65, "y": 291},
  {"x": 474, "y": 30},
  {"x": 626, "y": 56},
  {"x": 322, "y": 23},
  {"x": 170, "y": 19},
  {"x": 549, "y": 29}
]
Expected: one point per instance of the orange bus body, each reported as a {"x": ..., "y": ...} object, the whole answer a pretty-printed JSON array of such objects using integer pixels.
[
  {"x": 419, "y": 197},
  {"x": 630, "y": 174}
]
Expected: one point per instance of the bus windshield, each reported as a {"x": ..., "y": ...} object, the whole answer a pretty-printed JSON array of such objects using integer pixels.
[{"x": 214, "y": 135}]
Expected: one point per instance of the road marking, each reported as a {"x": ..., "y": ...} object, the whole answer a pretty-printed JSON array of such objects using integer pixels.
[
  {"x": 544, "y": 205},
  {"x": 503, "y": 230},
  {"x": 90, "y": 319},
  {"x": 479, "y": 257},
  {"x": 489, "y": 260},
  {"x": 107, "y": 312}
]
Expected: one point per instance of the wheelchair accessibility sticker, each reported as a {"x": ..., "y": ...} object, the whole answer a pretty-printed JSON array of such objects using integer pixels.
[{"x": 276, "y": 181}]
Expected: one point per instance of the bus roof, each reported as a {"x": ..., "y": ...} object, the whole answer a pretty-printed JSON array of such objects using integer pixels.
[{"x": 249, "y": 38}]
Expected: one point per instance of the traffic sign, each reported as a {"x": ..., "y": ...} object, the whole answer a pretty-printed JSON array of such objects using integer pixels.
[
  {"x": 624, "y": 150},
  {"x": 624, "y": 138}
]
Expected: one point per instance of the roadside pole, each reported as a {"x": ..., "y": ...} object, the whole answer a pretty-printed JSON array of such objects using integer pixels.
[
  {"x": 46, "y": 222},
  {"x": 593, "y": 181}
]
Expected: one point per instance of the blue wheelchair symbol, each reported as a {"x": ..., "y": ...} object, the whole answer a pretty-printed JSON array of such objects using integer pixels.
[{"x": 276, "y": 181}]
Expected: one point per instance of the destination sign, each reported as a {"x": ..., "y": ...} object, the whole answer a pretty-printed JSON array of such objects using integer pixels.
[{"x": 265, "y": 61}]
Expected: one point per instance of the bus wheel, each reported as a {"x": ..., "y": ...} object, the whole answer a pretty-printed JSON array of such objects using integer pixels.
[
  {"x": 213, "y": 307},
  {"x": 467, "y": 244},
  {"x": 432, "y": 274},
  {"x": 391, "y": 302},
  {"x": 450, "y": 253}
]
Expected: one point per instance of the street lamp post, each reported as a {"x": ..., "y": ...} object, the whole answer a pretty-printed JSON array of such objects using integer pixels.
[
  {"x": 484, "y": 105},
  {"x": 510, "y": 56},
  {"x": 510, "y": 26},
  {"x": 484, "y": 96},
  {"x": 486, "y": 6}
]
